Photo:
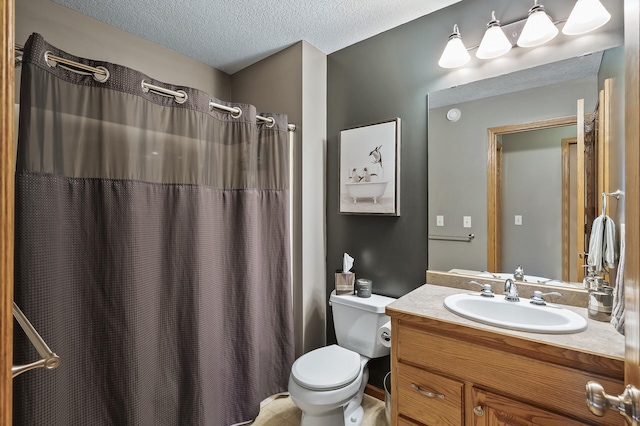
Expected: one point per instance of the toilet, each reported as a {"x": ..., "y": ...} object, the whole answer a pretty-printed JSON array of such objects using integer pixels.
[{"x": 328, "y": 383}]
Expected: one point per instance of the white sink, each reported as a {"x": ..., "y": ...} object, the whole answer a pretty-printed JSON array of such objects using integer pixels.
[{"x": 522, "y": 315}]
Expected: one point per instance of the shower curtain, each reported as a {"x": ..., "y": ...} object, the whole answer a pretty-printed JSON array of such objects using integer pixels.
[{"x": 152, "y": 251}]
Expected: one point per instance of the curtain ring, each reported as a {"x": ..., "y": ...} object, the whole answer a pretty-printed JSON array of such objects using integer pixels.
[
  {"x": 101, "y": 78},
  {"x": 51, "y": 64},
  {"x": 181, "y": 99},
  {"x": 145, "y": 89},
  {"x": 238, "y": 114},
  {"x": 271, "y": 122}
]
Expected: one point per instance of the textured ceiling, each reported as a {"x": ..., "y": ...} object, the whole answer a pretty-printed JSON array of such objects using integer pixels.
[{"x": 233, "y": 34}]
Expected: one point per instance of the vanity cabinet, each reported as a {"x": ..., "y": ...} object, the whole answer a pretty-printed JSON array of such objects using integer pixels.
[{"x": 455, "y": 374}]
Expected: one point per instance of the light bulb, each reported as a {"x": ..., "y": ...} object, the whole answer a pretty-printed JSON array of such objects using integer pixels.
[
  {"x": 494, "y": 42},
  {"x": 587, "y": 15},
  {"x": 538, "y": 29},
  {"x": 454, "y": 54}
]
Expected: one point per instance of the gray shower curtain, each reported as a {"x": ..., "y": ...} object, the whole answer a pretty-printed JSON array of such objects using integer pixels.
[{"x": 152, "y": 251}]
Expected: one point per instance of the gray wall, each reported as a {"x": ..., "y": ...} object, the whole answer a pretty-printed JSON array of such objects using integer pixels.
[
  {"x": 458, "y": 167},
  {"x": 390, "y": 76},
  {"x": 532, "y": 188}
]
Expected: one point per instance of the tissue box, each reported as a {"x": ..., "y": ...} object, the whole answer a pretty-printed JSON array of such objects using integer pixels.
[{"x": 344, "y": 282}]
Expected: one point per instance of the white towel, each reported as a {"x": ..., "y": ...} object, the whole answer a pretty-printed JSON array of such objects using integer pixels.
[
  {"x": 602, "y": 244},
  {"x": 610, "y": 248},
  {"x": 617, "y": 312}
]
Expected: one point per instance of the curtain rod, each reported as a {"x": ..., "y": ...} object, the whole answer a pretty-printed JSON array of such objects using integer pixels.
[{"x": 102, "y": 74}]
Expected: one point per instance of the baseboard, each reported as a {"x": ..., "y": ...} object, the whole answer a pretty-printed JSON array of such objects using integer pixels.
[{"x": 374, "y": 392}]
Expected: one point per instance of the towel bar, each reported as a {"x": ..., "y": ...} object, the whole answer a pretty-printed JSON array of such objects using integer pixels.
[{"x": 466, "y": 239}]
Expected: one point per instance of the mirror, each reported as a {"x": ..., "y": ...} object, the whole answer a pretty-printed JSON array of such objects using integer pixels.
[{"x": 461, "y": 122}]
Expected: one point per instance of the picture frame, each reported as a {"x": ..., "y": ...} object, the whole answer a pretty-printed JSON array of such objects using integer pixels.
[{"x": 370, "y": 169}]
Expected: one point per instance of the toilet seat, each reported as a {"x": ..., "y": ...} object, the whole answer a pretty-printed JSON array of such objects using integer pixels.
[{"x": 327, "y": 368}]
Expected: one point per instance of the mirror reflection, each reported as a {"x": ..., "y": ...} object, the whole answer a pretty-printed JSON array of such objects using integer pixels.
[{"x": 503, "y": 165}]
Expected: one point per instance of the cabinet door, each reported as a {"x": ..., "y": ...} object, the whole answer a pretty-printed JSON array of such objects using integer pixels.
[{"x": 490, "y": 409}]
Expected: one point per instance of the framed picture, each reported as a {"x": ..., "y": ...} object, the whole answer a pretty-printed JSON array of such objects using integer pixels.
[{"x": 370, "y": 169}]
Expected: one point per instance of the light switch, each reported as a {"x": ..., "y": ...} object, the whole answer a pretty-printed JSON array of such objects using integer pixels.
[
  {"x": 466, "y": 221},
  {"x": 439, "y": 220},
  {"x": 518, "y": 219}
]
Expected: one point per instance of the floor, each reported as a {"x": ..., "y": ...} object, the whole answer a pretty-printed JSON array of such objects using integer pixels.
[{"x": 283, "y": 412}]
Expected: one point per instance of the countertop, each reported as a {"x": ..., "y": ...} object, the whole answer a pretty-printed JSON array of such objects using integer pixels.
[{"x": 600, "y": 338}]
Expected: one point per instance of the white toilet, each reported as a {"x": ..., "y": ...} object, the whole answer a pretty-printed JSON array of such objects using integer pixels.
[{"x": 327, "y": 384}]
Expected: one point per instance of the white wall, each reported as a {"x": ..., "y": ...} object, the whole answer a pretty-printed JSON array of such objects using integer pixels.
[{"x": 314, "y": 137}]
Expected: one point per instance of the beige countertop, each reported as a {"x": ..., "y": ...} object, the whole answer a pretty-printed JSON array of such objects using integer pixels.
[{"x": 600, "y": 338}]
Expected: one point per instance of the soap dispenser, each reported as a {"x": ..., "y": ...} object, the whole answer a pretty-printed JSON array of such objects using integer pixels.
[{"x": 600, "y": 296}]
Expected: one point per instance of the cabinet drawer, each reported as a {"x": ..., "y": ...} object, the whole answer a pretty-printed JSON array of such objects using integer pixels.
[
  {"x": 405, "y": 422},
  {"x": 429, "y": 398}
]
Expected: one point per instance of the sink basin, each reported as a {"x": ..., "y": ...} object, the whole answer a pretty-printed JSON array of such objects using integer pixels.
[{"x": 522, "y": 315}]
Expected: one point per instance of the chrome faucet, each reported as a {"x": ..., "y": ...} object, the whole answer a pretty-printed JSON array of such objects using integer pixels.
[
  {"x": 518, "y": 275},
  {"x": 510, "y": 291}
]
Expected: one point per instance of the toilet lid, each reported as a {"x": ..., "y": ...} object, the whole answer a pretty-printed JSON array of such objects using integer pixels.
[{"x": 328, "y": 368}]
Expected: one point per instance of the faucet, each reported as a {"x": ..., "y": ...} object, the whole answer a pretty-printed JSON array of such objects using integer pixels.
[
  {"x": 538, "y": 297},
  {"x": 518, "y": 275},
  {"x": 510, "y": 291}
]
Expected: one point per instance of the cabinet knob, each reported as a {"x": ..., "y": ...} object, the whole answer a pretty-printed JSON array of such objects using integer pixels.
[
  {"x": 478, "y": 411},
  {"x": 628, "y": 404},
  {"x": 427, "y": 393}
]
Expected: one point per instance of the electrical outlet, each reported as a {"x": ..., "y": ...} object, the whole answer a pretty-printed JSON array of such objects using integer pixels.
[
  {"x": 518, "y": 220},
  {"x": 466, "y": 221},
  {"x": 439, "y": 220}
]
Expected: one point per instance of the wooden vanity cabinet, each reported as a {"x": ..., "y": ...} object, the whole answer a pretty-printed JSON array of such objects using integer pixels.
[{"x": 452, "y": 374}]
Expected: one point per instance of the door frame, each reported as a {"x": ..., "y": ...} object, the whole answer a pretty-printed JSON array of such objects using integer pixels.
[
  {"x": 7, "y": 167},
  {"x": 632, "y": 191},
  {"x": 566, "y": 206},
  {"x": 494, "y": 179}
]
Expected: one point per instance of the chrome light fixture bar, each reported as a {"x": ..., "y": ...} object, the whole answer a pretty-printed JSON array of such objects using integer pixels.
[{"x": 538, "y": 28}]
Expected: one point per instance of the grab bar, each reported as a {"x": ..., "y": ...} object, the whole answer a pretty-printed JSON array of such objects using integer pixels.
[
  {"x": 49, "y": 359},
  {"x": 466, "y": 239}
]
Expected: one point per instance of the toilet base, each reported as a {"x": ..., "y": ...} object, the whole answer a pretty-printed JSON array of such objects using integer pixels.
[{"x": 334, "y": 418}]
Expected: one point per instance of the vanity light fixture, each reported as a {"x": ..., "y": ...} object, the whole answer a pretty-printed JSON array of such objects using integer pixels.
[
  {"x": 587, "y": 15},
  {"x": 454, "y": 54},
  {"x": 538, "y": 29},
  {"x": 494, "y": 42}
]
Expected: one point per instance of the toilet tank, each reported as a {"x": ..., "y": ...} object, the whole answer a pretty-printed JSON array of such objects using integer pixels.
[{"x": 356, "y": 321}]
